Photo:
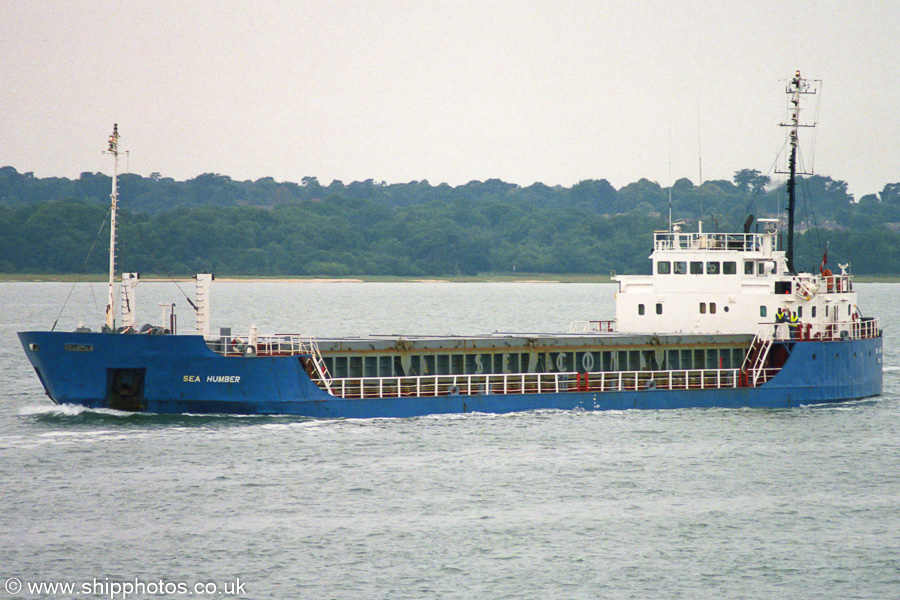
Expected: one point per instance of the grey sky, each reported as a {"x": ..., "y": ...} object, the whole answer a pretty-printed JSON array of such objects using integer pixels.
[{"x": 454, "y": 91}]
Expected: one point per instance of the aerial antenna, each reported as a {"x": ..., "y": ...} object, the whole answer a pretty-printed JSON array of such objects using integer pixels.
[
  {"x": 699, "y": 157},
  {"x": 670, "y": 176}
]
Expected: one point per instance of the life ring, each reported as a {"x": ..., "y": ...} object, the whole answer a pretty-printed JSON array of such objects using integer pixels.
[
  {"x": 651, "y": 385},
  {"x": 454, "y": 390},
  {"x": 237, "y": 345}
]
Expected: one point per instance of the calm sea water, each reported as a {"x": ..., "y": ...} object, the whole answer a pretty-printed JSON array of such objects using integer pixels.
[{"x": 801, "y": 503}]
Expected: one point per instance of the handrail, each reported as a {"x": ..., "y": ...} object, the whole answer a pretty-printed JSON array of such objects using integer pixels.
[
  {"x": 810, "y": 284},
  {"x": 606, "y": 326},
  {"x": 534, "y": 383},
  {"x": 279, "y": 344},
  {"x": 745, "y": 242},
  {"x": 866, "y": 328}
]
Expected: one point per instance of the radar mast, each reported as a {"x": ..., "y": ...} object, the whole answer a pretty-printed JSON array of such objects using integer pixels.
[{"x": 795, "y": 88}]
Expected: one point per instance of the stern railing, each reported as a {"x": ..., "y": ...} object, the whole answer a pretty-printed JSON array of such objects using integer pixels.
[{"x": 855, "y": 329}]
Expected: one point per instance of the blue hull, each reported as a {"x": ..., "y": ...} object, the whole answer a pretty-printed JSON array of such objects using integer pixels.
[{"x": 180, "y": 374}]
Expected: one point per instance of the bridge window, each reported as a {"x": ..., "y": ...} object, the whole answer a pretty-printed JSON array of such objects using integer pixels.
[
  {"x": 813, "y": 312},
  {"x": 799, "y": 312},
  {"x": 712, "y": 308},
  {"x": 680, "y": 267},
  {"x": 663, "y": 267},
  {"x": 729, "y": 267},
  {"x": 748, "y": 267},
  {"x": 659, "y": 308},
  {"x": 640, "y": 309},
  {"x": 696, "y": 267},
  {"x": 703, "y": 308},
  {"x": 712, "y": 268}
]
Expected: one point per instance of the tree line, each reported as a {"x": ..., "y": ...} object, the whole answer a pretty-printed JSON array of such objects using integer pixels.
[{"x": 269, "y": 228}]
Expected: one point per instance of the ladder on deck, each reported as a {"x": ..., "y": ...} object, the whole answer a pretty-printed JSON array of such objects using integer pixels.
[
  {"x": 320, "y": 370},
  {"x": 755, "y": 361}
]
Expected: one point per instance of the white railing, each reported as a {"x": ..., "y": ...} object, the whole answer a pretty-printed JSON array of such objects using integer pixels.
[
  {"x": 534, "y": 383},
  {"x": 745, "y": 242},
  {"x": 807, "y": 285},
  {"x": 607, "y": 326},
  {"x": 279, "y": 344},
  {"x": 839, "y": 330}
]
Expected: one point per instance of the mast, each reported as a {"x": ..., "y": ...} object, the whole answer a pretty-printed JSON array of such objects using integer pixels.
[
  {"x": 114, "y": 202},
  {"x": 795, "y": 88}
]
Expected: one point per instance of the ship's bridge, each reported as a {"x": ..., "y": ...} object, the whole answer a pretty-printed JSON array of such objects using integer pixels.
[{"x": 726, "y": 283}]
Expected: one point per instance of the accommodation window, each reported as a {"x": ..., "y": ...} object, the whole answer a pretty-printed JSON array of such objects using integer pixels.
[
  {"x": 712, "y": 268},
  {"x": 659, "y": 308},
  {"x": 703, "y": 308},
  {"x": 640, "y": 309},
  {"x": 762, "y": 311},
  {"x": 680, "y": 267},
  {"x": 748, "y": 267},
  {"x": 696, "y": 267},
  {"x": 663, "y": 267},
  {"x": 813, "y": 312},
  {"x": 712, "y": 308},
  {"x": 799, "y": 312},
  {"x": 729, "y": 267}
]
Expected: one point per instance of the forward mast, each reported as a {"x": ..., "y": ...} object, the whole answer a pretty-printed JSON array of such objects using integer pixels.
[{"x": 114, "y": 202}]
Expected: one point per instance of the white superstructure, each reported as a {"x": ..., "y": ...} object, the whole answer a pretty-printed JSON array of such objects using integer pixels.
[{"x": 728, "y": 283}]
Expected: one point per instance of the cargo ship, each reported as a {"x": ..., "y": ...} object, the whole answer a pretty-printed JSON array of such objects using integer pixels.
[{"x": 723, "y": 320}]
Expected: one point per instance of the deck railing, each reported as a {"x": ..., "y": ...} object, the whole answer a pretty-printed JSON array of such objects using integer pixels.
[
  {"x": 866, "y": 328},
  {"x": 607, "y": 326},
  {"x": 745, "y": 242},
  {"x": 279, "y": 344},
  {"x": 535, "y": 383}
]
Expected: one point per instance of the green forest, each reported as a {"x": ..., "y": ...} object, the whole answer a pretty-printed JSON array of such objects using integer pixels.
[{"x": 365, "y": 228}]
